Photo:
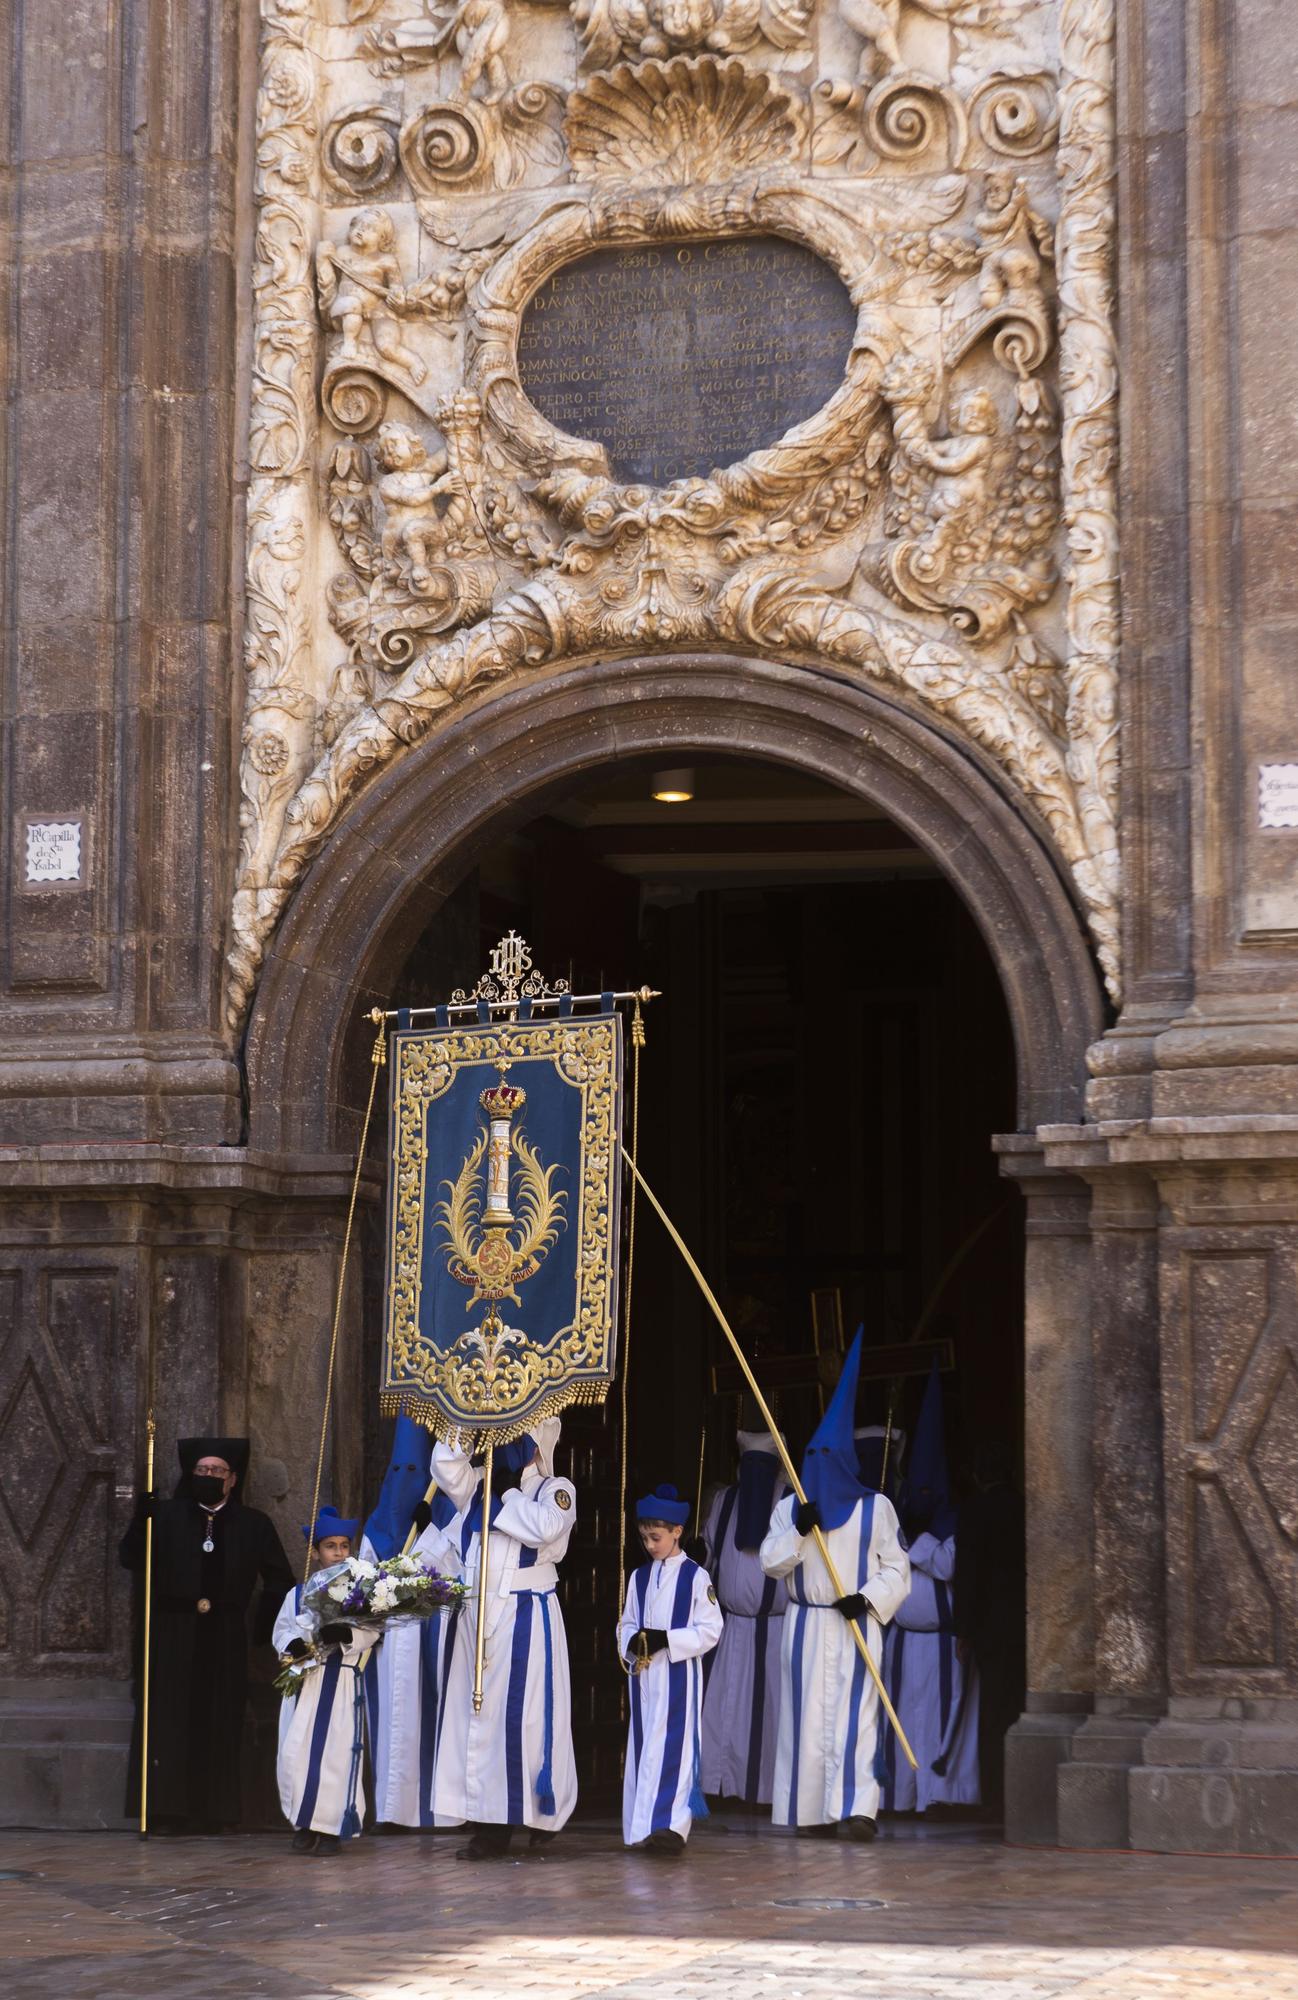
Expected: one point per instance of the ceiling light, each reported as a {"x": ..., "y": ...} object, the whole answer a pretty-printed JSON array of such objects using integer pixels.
[{"x": 674, "y": 788}]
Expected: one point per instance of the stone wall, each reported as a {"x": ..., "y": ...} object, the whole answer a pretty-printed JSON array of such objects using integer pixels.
[{"x": 161, "y": 1191}]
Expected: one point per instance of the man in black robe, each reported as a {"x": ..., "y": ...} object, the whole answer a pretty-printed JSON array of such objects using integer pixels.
[{"x": 209, "y": 1551}]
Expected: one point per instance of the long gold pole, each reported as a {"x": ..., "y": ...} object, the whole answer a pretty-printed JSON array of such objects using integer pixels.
[
  {"x": 150, "y": 1433},
  {"x": 480, "y": 1643},
  {"x": 698, "y": 1492},
  {"x": 790, "y": 1472}
]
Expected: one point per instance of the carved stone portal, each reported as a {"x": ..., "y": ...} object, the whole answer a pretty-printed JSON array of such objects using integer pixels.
[{"x": 673, "y": 323}]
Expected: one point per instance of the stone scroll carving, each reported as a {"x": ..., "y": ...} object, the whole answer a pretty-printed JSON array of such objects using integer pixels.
[{"x": 944, "y": 521}]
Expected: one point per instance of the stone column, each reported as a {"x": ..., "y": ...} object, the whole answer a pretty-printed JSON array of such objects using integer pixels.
[{"x": 1058, "y": 1392}]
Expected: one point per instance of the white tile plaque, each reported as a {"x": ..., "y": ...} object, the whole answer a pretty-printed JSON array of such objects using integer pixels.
[
  {"x": 1277, "y": 794},
  {"x": 54, "y": 850}
]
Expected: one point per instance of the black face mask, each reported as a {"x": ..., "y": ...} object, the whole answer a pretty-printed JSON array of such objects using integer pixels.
[{"x": 208, "y": 1489}]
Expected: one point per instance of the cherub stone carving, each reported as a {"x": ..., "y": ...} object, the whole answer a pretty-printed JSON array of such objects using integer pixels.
[
  {"x": 478, "y": 31},
  {"x": 1015, "y": 241},
  {"x": 878, "y": 23},
  {"x": 965, "y": 463},
  {"x": 410, "y": 482},
  {"x": 970, "y": 515},
  {"x": 361, "y": 293}
]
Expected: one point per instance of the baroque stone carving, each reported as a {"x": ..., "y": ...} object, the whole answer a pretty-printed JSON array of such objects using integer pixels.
[{"x": 943, "y": 521}]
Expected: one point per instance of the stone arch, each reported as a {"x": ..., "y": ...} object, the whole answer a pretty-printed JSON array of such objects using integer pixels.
[{"x": 405, "y": 842}]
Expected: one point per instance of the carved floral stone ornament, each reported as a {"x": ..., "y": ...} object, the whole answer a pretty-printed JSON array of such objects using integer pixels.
[{"x": 529, "y": 280}]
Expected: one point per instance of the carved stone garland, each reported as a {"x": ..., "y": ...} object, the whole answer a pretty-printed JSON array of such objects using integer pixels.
[{"x": 539, "y": 553}]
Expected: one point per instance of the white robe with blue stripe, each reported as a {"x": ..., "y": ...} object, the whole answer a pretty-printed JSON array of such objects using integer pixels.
[
  {"x": 322, "y": 1731},
  {"x": 825, "y": 1762},
  {"x": 927, "y": 1684},
  {"x": 406, "y": 1689},
  {"x": 741, "y": 1705},
  {"x": 663, "y": 1746},
  {"x": 512, "y": 1764}
]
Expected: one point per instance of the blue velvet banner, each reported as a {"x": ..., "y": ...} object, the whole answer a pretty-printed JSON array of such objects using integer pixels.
[{"x": 502, "y": 1222}]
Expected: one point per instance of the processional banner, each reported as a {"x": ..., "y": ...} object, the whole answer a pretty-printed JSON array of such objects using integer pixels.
[{"x": 504, "y": 1174}]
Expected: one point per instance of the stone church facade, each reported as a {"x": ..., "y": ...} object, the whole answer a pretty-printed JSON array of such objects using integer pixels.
[{"x": 342, "y": 520}]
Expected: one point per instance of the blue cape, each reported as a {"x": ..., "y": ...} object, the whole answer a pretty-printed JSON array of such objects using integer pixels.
[
  {"x": 830, "y": 1475},
  {"x": 404, "y": 1484}
]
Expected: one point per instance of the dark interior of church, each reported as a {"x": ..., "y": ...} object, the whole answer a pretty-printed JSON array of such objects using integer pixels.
[{"x": 822, "y": 1077}]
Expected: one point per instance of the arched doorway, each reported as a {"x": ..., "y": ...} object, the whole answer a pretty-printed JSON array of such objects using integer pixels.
[{"x": 380, "y": 904}]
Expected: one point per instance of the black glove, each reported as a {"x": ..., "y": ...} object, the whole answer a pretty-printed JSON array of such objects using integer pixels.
[
  {"x": 421, "y": 1517},
  {"x": 696, "y": 1549},
  {"x": 335, "y": 1635},
  {"x": 854, "y": 1606},
  {"x": 655, "y": 1641},
  {"x": 146, "y": 1506},
  {"x": 806, "y": 1516},
  {"x": 297, "y": 1649}
]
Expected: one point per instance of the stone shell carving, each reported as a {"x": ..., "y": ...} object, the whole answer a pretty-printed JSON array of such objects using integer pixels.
[
  {"x": 670, "y": 122},
  {"x": 945, "y": 521}
]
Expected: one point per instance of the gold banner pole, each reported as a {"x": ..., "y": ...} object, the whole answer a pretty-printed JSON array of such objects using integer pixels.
[
  {"x": 150, "y": 1433},
  {"x": 480, "y": 1642},
  {"x": 790, "y": 1472}
]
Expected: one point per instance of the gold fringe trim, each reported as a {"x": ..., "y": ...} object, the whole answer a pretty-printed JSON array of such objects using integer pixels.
[{"x": 476, "y": 1433}]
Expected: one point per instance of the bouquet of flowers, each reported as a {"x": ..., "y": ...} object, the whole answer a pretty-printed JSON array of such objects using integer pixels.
[{"x": 369, "y": 1597}]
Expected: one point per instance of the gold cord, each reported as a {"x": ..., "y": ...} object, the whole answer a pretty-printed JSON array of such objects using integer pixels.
[
  {"x": 378, "y": 1057},
  {"x": 637, "y": 1043}
]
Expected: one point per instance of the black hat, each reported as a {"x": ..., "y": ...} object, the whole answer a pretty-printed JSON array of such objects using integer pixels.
[{"x": 233, "y": 1450}]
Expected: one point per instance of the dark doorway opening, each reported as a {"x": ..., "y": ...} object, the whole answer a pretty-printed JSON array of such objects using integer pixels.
[{"x": 823, "y": 1074}]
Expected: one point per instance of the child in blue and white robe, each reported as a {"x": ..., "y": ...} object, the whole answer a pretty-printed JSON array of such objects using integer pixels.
[
  {"x": 512, "y": 1764},
  {"x": 828, "y": 1761},
  {"x": 322, "y": 1728},
  {"x": 670, "y": 1620}
]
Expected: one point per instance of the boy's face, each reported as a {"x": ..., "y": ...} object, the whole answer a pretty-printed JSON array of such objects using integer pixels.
[
  {"x": 333, "y": 1549},
  {"x": 660, "y": 1539}
]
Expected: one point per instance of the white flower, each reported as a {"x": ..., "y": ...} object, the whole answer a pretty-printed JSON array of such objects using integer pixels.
[
  {"x": 340, "y": 1589},
  {"x": 384, "y": 1595}
]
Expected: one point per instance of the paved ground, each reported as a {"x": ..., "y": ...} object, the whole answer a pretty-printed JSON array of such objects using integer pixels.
[{"x": 106, "y": 1917}]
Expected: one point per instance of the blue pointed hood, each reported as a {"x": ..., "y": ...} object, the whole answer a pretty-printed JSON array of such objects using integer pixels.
[
  {"x": 404, "y": 1484},
  {"x": 830, "y": 1475},
  {"x": 928, "y": 1487}
]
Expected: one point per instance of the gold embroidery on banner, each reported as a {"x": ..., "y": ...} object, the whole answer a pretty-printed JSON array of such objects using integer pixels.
[{"x": 493, "y": 1383}]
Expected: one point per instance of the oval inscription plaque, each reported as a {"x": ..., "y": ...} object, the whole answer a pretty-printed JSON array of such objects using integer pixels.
[{"x": 679, "y": 358}]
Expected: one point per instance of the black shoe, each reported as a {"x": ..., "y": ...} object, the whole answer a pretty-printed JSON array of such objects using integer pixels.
[
  {"x": 857, "y": 1828},
  {"x": 304, "y": 1840},
  {"x": 541, "y": 1837},
  {"x": 489, "y": 1843},
  {"x": 665, "y": 1842},
  {"x": 327, "y": 1843}
]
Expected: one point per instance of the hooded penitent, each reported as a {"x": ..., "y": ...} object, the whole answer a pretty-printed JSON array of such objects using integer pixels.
[
  {"x": 404, "y": 1484},
  {"x": 759, "y": 1468},
  {"x": 928, "y": 1490},
  {"x": 830, "y": 1473},
  {"x": 879, "y": 1452}
]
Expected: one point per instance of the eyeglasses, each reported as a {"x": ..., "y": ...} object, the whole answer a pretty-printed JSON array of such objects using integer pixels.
[{"x": 214, "y": 1467}]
